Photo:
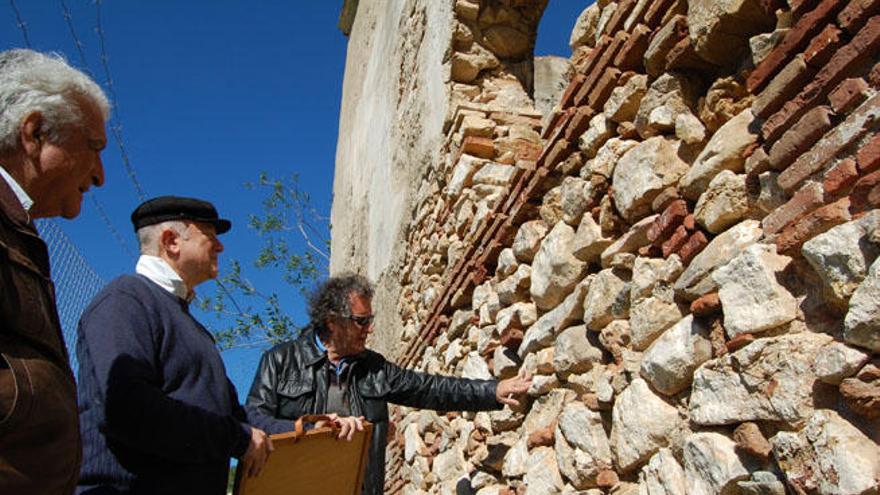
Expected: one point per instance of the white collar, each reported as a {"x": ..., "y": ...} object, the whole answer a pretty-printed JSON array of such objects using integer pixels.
[
  {"x": 159, "y": 271},
  {"x": 23, "y": 198}
]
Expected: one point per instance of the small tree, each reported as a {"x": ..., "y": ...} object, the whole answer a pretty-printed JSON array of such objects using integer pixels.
[{"x": 295, "y": 242}]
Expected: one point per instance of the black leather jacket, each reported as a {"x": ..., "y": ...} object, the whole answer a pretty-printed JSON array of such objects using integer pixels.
[{"x": 288, "y": 385}]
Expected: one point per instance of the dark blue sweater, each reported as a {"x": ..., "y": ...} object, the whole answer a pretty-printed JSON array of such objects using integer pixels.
[{"x": 157, "y": 412}]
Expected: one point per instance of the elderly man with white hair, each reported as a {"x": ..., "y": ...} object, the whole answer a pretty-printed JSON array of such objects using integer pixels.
[{"x": 51, "y": 137}]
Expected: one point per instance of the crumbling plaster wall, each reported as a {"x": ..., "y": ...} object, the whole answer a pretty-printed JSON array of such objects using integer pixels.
[{"x": 394, "y": 101}]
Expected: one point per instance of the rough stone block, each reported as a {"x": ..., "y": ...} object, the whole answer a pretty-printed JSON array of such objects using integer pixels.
[
  {"x": 848, "y": 95},
  {"x": 868, "y": 157},
  {"x": 792, "y": 237},
  {"x": 683, "y": 56},
  {"x": 801, "y": 33},
  {"x": 861, "y": 48},
  {"x": 840, "y": 178}
]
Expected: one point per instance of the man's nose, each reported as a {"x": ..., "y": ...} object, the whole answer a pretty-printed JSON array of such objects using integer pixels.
[{"x": 98, "y": 174}]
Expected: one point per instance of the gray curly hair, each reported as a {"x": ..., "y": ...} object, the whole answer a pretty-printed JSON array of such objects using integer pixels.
[
  {"x": 331, "y": 298},
  {"x": 31, "y": 81}
]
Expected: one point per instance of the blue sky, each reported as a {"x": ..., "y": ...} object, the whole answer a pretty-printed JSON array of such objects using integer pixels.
[{"x": 210, "y": 93}]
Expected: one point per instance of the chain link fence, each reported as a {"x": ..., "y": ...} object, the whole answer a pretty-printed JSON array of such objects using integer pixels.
[{"x": 76, "y": 282}]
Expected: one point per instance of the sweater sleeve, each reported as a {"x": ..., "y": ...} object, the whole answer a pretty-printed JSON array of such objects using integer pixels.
[{"x": 122, "y": 346}]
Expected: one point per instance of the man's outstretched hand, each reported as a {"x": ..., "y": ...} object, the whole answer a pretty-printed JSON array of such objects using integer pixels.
[
  {"x": 507, "y": 389},
  {"x": 257, "y": 452}
]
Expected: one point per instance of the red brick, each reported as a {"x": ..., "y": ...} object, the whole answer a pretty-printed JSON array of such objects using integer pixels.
[
  {"x": 840, "y": 178},
  {"x": 790, "y": 240},
  {"x": 874, "y": 77},
  {"x": 568, "y": 96},
  {"x": 600, "y": 67},
  {"x": 706, "y": 305},
  {"x": 578, "y": 123},
  {"x": 807, "y": 199},
  {"x": 683, "y": 56},
  {"x": 512, "y": 337},
  {"x": 854, "y": 15},
  {"x": 479, "y": 146},
  {"x": 631, "y": 55},
  {"x": 848, "y": 95},
  {"x": 868, "y": 157},
  {"x": 615, "y": 24},
  {"x": 865, "y": 194},
  {"x": 795, "y": 40},
  {"x": 690, "y": 222},
  {"x": 863, "y": 46},
  {"x": 656, "y": 11},
  {"x": 823, "y": 46},
  {"x": 596, "y": 54},
  {"x": 798, "y": 7},
  {"x": 667, "y": 222},
  {"x": 820, "y": 155},
  {"x": 675, "y": 241},
  {"x": 739, "y": 342},
  {"x": 695, "y": 243},
  {"x": 558, "y": 152},
  {"x": 785, "y": 86},
  {"x": 803, "y": 135},
  {"x": 603, "y": 89},
  {"x": 662, "y": 41},
  {"x": 558, "y": 123}
]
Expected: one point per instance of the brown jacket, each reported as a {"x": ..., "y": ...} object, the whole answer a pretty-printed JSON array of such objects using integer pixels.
[{"x": 40, "y": 449}]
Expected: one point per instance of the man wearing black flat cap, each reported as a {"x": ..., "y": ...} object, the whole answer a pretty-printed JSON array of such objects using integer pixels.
[{"x": 158, "y": 414}]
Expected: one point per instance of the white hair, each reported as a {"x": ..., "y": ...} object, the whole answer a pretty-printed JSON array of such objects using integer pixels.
[
  {"x": 149, "y": 236},
  {"x": 36, "y": 82}
]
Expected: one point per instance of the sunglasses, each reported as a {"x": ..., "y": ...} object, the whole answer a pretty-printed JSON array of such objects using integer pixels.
[{"x": 362, "y": 321}]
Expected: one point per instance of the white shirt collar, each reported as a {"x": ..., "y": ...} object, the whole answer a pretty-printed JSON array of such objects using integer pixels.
[
  {"x": 23, "y": 198},
  {"x": 160, "y": 272}
]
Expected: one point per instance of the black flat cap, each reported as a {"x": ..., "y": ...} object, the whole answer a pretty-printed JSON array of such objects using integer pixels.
[{"x": 166, "y": 208}]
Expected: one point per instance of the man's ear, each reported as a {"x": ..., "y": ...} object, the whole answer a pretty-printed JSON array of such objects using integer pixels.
[
  {"x": 30, "y": 134},
  {"x": 169, "y": 242}
]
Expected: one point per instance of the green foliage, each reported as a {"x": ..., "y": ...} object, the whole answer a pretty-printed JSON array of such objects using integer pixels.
[{"x": 295, "y": 245}]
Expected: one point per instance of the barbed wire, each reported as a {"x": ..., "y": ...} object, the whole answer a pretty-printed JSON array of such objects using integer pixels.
[
  {"x": 99, "y": 207},
  {"x": 116, "y": 128},
  {"x": 20, "y": 23}
]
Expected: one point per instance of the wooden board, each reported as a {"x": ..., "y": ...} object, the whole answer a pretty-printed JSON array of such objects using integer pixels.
[{"x": 315, "y": 463}]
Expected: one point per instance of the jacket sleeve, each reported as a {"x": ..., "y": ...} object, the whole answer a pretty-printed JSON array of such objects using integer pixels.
[
  {"x": 119, "y": 342},
  {"x": 262, "y": 401},
  {"x": 444, "y": 393}
]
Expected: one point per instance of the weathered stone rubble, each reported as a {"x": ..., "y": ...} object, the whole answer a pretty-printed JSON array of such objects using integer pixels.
[{"x": 683, "y": 252}]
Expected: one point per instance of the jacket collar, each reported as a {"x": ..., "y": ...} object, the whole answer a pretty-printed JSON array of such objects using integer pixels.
[
  {"x": 311, "y": 353},
  {"x": 12, "y": 206}
]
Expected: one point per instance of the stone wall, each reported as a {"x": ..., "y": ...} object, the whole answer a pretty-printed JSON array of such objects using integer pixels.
[{"x": 683, "y": 253}]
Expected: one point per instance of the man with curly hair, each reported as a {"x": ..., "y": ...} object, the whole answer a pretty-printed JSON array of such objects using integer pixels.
[{"x": 328, "y": 369}]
